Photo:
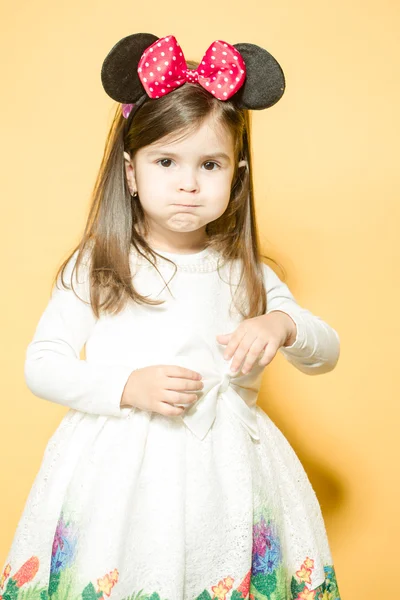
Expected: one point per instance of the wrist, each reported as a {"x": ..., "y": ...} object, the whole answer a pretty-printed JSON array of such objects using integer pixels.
[
  {"x": 291, "y": 329},
  {"x": 124, "y": 402}
]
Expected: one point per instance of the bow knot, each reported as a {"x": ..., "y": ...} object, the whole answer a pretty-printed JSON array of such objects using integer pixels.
[
  {"x": 239, "y": 392},
  {"x": 192, "y": 75},
  {"x": 162, "y": 68},
  {"x": 224, "y": 384}
]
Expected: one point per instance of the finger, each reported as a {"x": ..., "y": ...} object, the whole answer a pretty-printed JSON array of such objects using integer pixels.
[
  {"x": 233, "y": 344},
  {"x": 182, "y": 384},
  {"x": 169, "y": 410},
  {"x": 178, "y": 398},
  {"x": 177, "y": 371},
  {"x": 254, "y": 352},
  {"x": 223, "y": 337},
  {"x": 241, "y": 353},
  {"x": 269, "y": 353}
]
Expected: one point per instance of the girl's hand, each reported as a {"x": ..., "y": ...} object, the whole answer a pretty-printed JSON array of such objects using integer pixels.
[
  {"x": 266, "y": 333},
  {"x": 160, "y": 388}
]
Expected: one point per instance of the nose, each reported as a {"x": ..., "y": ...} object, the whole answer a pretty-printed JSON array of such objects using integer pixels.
[{"x": 188, "y": 181}]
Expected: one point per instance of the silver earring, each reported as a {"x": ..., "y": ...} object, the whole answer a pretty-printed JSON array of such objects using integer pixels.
[{"x": 134, "y": 195}]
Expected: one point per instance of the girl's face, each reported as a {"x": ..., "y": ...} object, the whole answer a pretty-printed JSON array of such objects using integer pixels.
[{"x": 183, "y": 185}]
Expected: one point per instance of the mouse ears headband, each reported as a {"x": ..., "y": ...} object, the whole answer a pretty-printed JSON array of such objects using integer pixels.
[{"x": 141, "y": 65}]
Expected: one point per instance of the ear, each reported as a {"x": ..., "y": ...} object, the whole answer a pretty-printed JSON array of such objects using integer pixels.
[
  {"x": 130, "y": 174},
  {"x": 244, "y": 163}
]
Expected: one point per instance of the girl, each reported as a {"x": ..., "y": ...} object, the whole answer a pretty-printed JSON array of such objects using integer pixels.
[{"x": 165, "y": 479}]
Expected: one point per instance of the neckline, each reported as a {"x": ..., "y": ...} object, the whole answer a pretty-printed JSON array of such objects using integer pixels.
[
  {"x": 205, "y": 260},
  {"x": 185, "y": 259}
]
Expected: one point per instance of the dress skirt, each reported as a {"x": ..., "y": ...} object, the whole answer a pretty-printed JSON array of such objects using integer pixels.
[{"x": 141, "y": 508}]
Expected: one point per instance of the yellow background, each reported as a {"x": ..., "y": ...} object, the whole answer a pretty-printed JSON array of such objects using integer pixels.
[{"x": 326, "y": 160}]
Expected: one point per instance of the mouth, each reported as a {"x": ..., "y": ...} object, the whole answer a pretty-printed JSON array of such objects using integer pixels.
[{"x": 188, "y": 205}]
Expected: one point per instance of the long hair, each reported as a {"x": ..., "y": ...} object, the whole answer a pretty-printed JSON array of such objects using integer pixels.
[{"x": 116, "y": 222}]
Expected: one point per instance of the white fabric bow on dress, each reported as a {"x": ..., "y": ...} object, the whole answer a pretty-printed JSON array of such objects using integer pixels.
[{"x": 241, "y": 397}]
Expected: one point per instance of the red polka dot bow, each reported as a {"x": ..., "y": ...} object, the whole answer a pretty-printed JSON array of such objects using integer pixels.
[
  {"x": 143, "y": 65},
  {"x": 162, "y": 68}
]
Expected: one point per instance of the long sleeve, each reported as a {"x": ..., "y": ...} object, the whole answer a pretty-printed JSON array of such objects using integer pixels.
[
  {"x": 316, "y": 348},
  {"x": 53, "y": 369}
]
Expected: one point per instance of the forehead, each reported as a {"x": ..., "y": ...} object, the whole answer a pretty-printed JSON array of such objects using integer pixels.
[{"x": 209, "y": 136}]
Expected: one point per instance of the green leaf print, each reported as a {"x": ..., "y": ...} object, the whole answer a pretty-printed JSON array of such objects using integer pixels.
[
  {"x": 11, "y": 592},
  {"x": 296, "y": 587},
  {"x": 138, "y": 596},
  {"x": 142, "y": 596},
  {"x": 237, "y": 595},
  {"x": 204, "y": 596},
  {"x": 89, "y": 593},
  {"x": 54, "y": 582},
  {"x": 32, "y": 593},
  {"x": 266, "y": 584}
]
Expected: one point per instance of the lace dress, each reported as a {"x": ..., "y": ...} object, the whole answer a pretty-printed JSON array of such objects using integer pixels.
[{"x": 131, "y": 504}]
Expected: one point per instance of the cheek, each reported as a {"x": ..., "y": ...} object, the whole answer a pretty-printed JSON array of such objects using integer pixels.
[
  {"x": 150, "y": 181},
  {"x": 220, "y": 188}
]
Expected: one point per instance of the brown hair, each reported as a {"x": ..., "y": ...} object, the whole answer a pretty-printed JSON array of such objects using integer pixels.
[{"x": 116, "y": 221}]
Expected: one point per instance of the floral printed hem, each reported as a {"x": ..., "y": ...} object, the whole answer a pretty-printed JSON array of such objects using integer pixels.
[
  {"x": 266, "y": 580},
  {"x": 260, "y": 587}
]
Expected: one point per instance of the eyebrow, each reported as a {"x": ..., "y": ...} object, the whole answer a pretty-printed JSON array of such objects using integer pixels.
[{"x": 222, "y": 155}]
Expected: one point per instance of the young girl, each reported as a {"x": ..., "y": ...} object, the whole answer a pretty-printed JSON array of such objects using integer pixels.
[{"x": 165, "y": 479}]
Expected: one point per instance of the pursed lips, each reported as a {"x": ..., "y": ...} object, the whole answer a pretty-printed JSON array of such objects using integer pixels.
[{"x": 188, "y": 205}]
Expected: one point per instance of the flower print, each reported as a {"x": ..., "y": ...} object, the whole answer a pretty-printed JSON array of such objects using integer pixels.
[
  {"x": 244, "y": 587},
  {"x": 259, "y": 545},
  {"x": 6, "y": 573},
  {"x": 269, "y": 562},
  {"x": 262, "y": 541},
  {"x": 261, "y": 536},
  {"x": 64, "y": 545},
  {"x": 228, "y": 581},
  {"x": 261, "y": 528},
  {"x": 304, "y": 574},
  {"x": 63, "y": 557},
  {"x": 114, "y": 575},
  {"x": 27, "y": 572},
  {"x": 329, "y": 572},
  {"x": 309, "y": 563},
  {"x": 63, "y": 533},
  {"x": 220, "y": 590},
  {"x": 306, "y": 594},
  {"x": 273, "y": 558},
  {"x": 266, "y": 548},
  {"x": 105, "y": 584},
  {"x": 60, "y": 535}
]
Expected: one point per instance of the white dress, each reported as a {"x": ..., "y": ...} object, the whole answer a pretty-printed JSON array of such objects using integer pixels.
[{"x": 131, "y": 504}]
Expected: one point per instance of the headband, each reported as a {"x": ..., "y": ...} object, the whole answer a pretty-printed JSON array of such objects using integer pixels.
[{"x": 141, "y": 65}]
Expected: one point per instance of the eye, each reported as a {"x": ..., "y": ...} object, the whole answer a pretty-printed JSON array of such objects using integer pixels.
[
  {"x": 168, "y": 160},
  {"x": 211, "y": 162},
  {"x": 164, "y": 160}
]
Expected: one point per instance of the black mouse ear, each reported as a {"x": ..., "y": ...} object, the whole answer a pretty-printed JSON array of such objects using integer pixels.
[
  {"x": 119, "y": 74},
  {"x": 265, "y": 82}
]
